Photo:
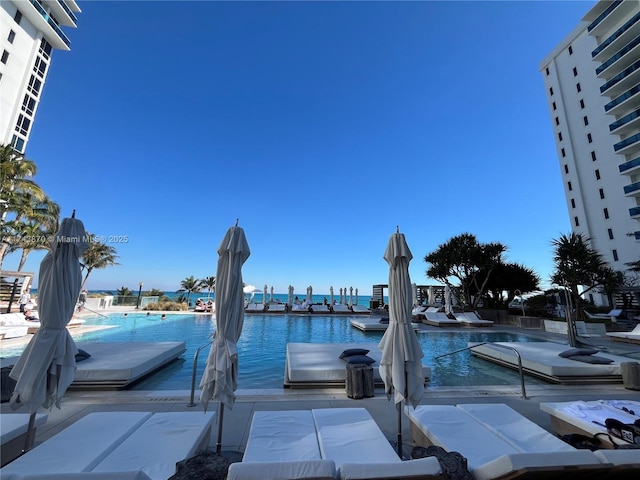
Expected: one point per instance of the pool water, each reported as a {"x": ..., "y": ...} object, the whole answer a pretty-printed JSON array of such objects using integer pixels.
[{"x": 262, "y": 346}]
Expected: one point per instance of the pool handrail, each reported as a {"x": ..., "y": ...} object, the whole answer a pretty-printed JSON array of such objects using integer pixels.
[
  {"x": 195, "y": 367},
  {"x": 520, "y": 370}
]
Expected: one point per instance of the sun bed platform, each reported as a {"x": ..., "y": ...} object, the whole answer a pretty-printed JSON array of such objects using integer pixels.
[
  {"x": 324, "y": 444},
  {"x": 119, "y": 364},
  {"x": 318, "y": 365},
  {"x": 438, "y": 319},
  {"x": 500, "y": 443},
  {"x": 13, "y": 433},
  {"x": 374, "y": 325},
  {"x": 541, "y": 359}
]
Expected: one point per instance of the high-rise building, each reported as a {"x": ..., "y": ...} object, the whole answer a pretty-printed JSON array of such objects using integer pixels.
[
  {"x": 592, "y": 81},
  {"x": 30, "y": 31}
]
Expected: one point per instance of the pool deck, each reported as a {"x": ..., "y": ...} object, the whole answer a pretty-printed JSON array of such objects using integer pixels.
[{"x": 237, "y": 421}]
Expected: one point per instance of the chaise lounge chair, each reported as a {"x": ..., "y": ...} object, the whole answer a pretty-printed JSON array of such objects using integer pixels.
[
  {"x": 320, "y": 309},
  {"x": 498, "y": 442},
  {"x": 276, "y": 308},
  {"x": 632, "y": 337},
  {"x": 325, "y": 444},
  {"x": 340, "y": 308},
  {"x": 360, "y": 309},
  {"x": 439, "y": 319},
  {"x": 470, "y": 319},
  {"x": 255, "y": 308}
]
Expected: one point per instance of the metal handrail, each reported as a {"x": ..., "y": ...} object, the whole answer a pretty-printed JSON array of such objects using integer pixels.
[
  {"x": 522, "y": 387},
  {"x": 195, "y": 368}
]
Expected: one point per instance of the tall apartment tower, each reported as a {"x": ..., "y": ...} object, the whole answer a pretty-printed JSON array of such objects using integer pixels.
[
  {"x": 30, "y": 31},
  {"x": 592, "y": 81}
]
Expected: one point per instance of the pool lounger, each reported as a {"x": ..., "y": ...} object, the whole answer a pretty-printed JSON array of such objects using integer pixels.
[
  {"x": 588, "y": 418},
  {"x": 470, "y": 319},
  {"x": 374, "y": 325},
  {"x": 439, "y": 319},
  {"x": 340, "y": 308},
  {"x": 330, "y": 443},
  {"x": 318, "y": 364},
  {"x": 276, "y": 308},
  {"x": 632, "y": 337},
  {"x": 498, "y": 442},
  {"x": 117, "y": 443},
  {"x": 13, "y": 433},
  {"x": 541, "y": 359}
]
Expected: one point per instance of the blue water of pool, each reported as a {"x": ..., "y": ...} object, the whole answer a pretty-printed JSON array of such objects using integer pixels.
[{"x": 263, "y": 341}]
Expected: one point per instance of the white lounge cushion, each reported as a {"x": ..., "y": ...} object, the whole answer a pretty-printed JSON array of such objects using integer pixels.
[
  {"x": 159, "y": 443},
  {"x": 12, "y": 425},
  {"x": 134, "y": 475},
  {"x": 303, "y": 470},
  {"x": 282, "y": 436},
  {"x": 626, "y": 457},
  {"x": 551, "y": 461},
  {"x": 420, "y": 469},
  {"x": 351, "y": 435},
  {"x": 79, "y": 447}
]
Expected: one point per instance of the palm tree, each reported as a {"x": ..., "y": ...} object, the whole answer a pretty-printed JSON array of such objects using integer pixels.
[
  {"x": 209, "y": 283},
  {"x": 124, "y": 292},
  {"x": 189, "y": 285},
  {"x": 31, "y": 237},
  {"x": 98, "y": 255}
]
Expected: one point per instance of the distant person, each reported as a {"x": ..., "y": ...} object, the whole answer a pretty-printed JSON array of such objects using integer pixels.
[
  {"x": 83, "y": 297},
  {"x": 24, "y": 299},
  {"x": 326, "y": 302},
  {"x": 28, "y": 315}
]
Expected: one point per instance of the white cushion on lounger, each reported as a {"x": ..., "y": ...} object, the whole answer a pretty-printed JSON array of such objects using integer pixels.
[
  {"x": 515, "y": 429},
  {"x": 413, "y": 469},
  {"x": 12, "y": 425},
  {"x": 282, "y": 436},
  {"x": 134, "y": 475},
  {"x": 539, "y": 461},
  {"x": 626, "y": 457},
  {"x": 159, "y": 443},
  {"x": 351, "y": 435},
  {"x": 303, "y": 470}
]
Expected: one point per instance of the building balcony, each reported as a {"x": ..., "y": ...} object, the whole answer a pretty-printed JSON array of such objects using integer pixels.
[
  {"x": 627, "y": 78},
  {"x": 630, "y": 167},
  {"x": 634, "y": 213},
  {"x": 629, "y": 145},
  {"x": 622, "y": 36},
  {"x": 603, "y": 16},
  {"x": 632, "y": 190},
  {"x": 626, "y": 124},
  {"x": 620, "y": 60},
  {"x": 626, "y": 102},
  {"x": 61, "y": 11},
  {"x": 43, "y": 21}
]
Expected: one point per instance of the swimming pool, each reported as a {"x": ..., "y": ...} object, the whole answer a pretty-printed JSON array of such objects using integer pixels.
[{"x": 262, "y": 345}]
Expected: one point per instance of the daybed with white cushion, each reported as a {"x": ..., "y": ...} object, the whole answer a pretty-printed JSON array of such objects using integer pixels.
[
  {"x": 360, "y": 309},
  {"x": 14, "y": 325},
  {"x": 633, "y": 336},
  {"x": 318, "y": 364},
  {"x": 374, "y": 324},
  {"x": 13, "y": 432},
  {"x": 498, "y": 442},
  {"x": 320, "y": 309},
  {"x": 276, "y": 307},
  {"x": 255, "y": 308},
  {"x": 439, "y": 319},
  {"x": 340, "y": 308},
  {"x": 113, "y": 442},
  {"x": 343, "y": 443}
]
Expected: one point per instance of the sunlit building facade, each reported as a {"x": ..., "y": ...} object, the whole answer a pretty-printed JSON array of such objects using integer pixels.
[
  {"x": 592, "y": 81},
  {"x": 30, "y": 30}
]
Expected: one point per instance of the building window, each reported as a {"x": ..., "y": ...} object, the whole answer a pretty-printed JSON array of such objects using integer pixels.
[
  {"x": 597, "y": 172},
  {"x": 610, "y": 232},
  {"x": 593, "y": 156},
  {"x": 23, "y": 125},
  {"x": 40, "y": 67},
  {"x": 566, "y": 168},
  {"x": 581, "y": 103},
  {"x": 576, "y": 221},
  {"x": 28, "y": 105},
  {"x": 575, "y": 72},
  {"x": 557, "y": 121},
  {"x": 560, "y": 136},
  {"x": 5, "y": 57},
  {"x": 589, "y": 138},
  {"x": 615, "y": 255},
  {"x": 573, "y": 203},
  {"x": 569, "y": 186},
  {"x": 606, "y": 212},
  {"x": 564, "y": 154},
  {"x": 578, "y": 87},
  {"x": 570, "y": 50},
  {"x": 555, "y": 107},
  {"x": 585, "y": 120},
  {"x": 547, "y": 70},
  {"x": 601, "y": 191},
  {"x": 17, "y": 17},
  {"x": 45, "y": 49},
  {"x": 17, "y": 143},
  {"x": 11, "y": 37},
  {"x": 34, "y": 86},
  {"x": 551, "y": 91}
]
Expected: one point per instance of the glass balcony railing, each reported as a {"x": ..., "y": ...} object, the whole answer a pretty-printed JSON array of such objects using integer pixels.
[
  {"x": 634, "y": 211},
  {"x": 629, "y": 165},
  {"x": 634, "y": 187},
  {"x": 621, "y": 98},
  {"x": 604, "y": 15},
  {"x": 52, "y": 23},
  {"x": 626, "y": 142},
  {"x": 68, "y": 10},
  {"x": 616, "y": 35},
  {"x": 624, "y": 120},
  {"x": 637, "y": 235},
  {"x": 626, "y": 49},
  {"x": 621, "y": 76}
]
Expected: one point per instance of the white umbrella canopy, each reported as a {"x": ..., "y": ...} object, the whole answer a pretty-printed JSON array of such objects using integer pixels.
[
  {"x": 401, "y": 362},
  {"x": 219, "y": 381},
  {"x": 290, "y": 296}
]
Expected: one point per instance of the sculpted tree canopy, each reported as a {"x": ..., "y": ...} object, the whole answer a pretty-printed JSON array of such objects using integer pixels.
[
  {"x": 509, "y": 277},
  {"x": 98, "y": 255},
  {"x": 467, "y": 260}
]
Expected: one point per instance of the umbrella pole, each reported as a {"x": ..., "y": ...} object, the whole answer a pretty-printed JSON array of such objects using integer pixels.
[
  {"x": 400, "y": 430},
  {"x": 31, "y": 433},
  {"x": 221, "y": 417}
]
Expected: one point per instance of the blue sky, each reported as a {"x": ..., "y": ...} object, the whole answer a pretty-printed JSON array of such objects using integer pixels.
[{"x": 321, "y": 126}]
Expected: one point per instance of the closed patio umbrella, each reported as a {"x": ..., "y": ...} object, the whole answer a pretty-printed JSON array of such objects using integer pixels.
[
  {"x": 46, "y": 368},
  {"x": 219, "y": 381},
  {"x": 290, "y": 296},
  {"x": 264, "y": 294},
  {"x": 401, "y": 362},
  {"x": 448, "y": 307},
  {"x": 331, "y": 295}
]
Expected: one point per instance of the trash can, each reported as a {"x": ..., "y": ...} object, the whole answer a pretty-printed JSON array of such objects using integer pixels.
[
  {"x": 630, "y": 375},
  {"x": 359, "y": 381}
]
